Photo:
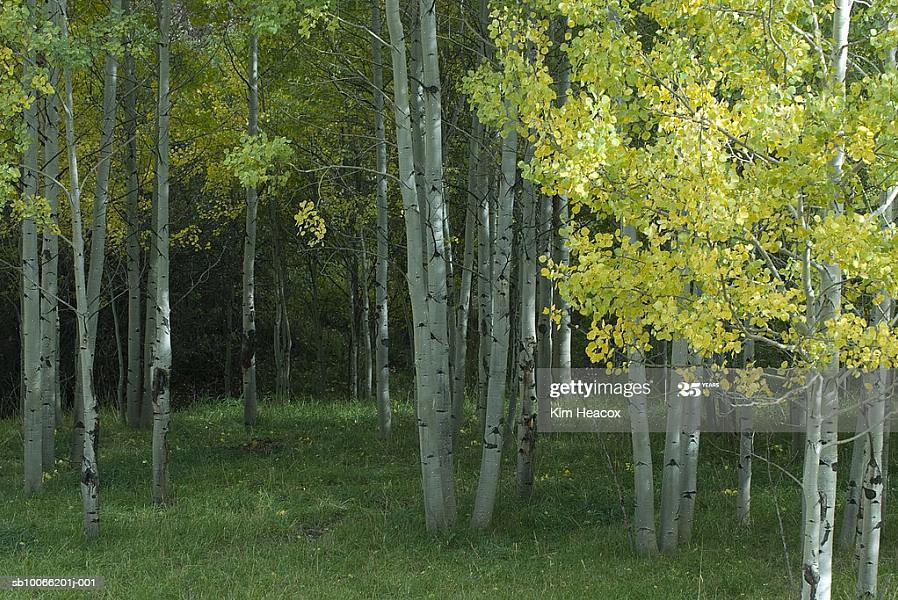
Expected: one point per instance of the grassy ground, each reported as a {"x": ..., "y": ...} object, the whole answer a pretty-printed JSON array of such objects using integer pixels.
[{"x": 316, "y": 507}]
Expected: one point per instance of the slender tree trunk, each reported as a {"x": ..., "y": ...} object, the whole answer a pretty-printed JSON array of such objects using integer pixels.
[
  {"x": 831, "y": 298},
  {"x": 850, "y": 514},
  {"x": 90, "y": 475},
  {"x": 31, "y": 300},
  {"x": 484, "y": 290},
  {"x": 50, "y": 271},
  {"x": 120, "y": 358},
  {"x": 437, "y": 250},
  {"x": 494, "y": 425},
  {"x": 248, "y": 347},
  {"x": 462, "y": 308},
  {"x": 132, "y": 219},
  {"x": 149, "y": 329},
  {"x": 381, "y": 281},
  {"x": 690, "y": 436},
  {"x": 644, "y": 513},
  {"x": 671, "y": 485},
  {"x": 439, "y": 509},
  {"x": 352, "y": 272},
  {"x": 365, "y": 325},
  {"x": 746, "y": 447},
  {"x": 101, "y": 193},
  {"x": 526, "y": 434},
  {"x": 162, "y": 354}
]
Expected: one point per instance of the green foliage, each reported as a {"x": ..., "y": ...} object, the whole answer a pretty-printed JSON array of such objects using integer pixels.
[{"x": 253, "y": 161}]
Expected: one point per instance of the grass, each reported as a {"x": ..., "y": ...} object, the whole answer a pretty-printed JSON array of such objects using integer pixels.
[{"x": 317, "y": 507}]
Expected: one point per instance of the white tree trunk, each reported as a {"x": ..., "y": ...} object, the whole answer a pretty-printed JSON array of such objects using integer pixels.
[
  {"x": 526, "y": 424},
  {"x": 31, "y": 302},
  {"x": 101, "y": 192},
  {"x": 436, "y": 258},
  {"x": 462, "y": 308},
  {"x": 162, "y": 352},
  {"x": 248, "y": 346},
  {"x": 438, "y": 515},
  {"x": 132, "y": 219},
  {"x": 90, "y": 476},
  {"x": 484, "y": 289},
  {"x": 494, "y": 424},
  {"x": 746, "y": 448},
  {"x": 831, "y": 296},
  {"x": 50, "y": 391},
  {"x": 381, "y": 280},
  {"x": 673, "y": 454},
  {"x": 690, "y": 437}
]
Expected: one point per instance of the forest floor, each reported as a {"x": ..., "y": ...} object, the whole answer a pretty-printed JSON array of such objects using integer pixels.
[{"x": 311, "y": 505}]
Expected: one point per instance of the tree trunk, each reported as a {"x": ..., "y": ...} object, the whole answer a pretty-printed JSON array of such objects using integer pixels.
[
  {"x": 526, "y": 425},
  {"x": 746, "y": 447},
  {"x": 90, "y": 475},
  {"x": 439, "y": 509},
  {"x": 381, "y": 280},
  {"x": 132, "y": 219},
  {"x": 671, "y": 485},
  {"x": 101, "y": 193},
  {"x": 162, "y": 354},
  {"x": 690, "y": 436},
  {"x": 248, "y": 346},
  {"x": 50, "y": 392},
  {"x": 561, "y": 343},
  {"x": 437, "y": 300},
  {"x": 31, "y": 301},
  {"x": 365, "y": 321},
  {"x": 463, "y": 305},
  {"x": 494, "y": 425},
  {"x": 120, "y": 358},
  {"x": 484, "y": 289}
]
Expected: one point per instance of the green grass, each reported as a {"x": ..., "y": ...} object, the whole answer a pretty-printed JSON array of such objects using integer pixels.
[{"x": 322, "y": 509}]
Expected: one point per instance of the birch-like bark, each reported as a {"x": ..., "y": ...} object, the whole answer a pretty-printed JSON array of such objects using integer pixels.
[
  {"x": 644, "y": 512},
  {"x": 746, "y": 447},
  {"x": 526, "y": 423},
  {"x": 831, "y": 297},
  {"x": 101, "y": 193},
  {"x": 436, "y": 509},
  {"x": 149, "y": 328},
  {"x": 436, "y": 258},
  {"x": 90, "y": 475},
  {"x": 850, "y": 514},
  {"x": 810, "y": 502},
  {"x": 544, "y": 287},
  {"x": 561, "y": 342},
  {"x": 484, "y": 290},
  {"x": 31, "y": 301},
  {"x": 463, "y": 305},
  {"x": 690, "y": 437},
  {"x": 672, "y": 470},
  {"x": 381, "y": 279},
  {"x": 248, "y": 346},
  {"x": 872, "y": 488},
  {"x": 494, "y": 425},
  {"x": 129, "y": 102},
  {"x": 50, "y": 392},
  {"x": 162, "y": 354}
]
